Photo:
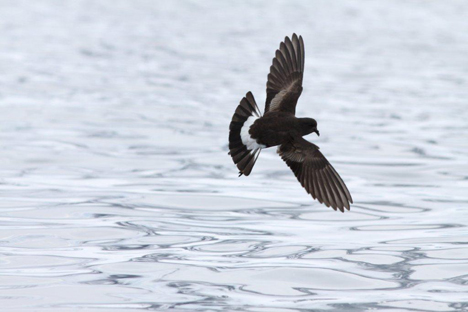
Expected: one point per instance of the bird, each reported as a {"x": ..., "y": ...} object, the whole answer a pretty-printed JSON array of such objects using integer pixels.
[{"x": 250, "y": 131}]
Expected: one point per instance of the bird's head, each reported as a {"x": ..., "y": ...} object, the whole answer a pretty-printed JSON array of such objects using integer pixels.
[{"x": 308, "y": 126}]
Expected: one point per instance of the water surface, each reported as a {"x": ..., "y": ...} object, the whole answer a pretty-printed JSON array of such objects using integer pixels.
[{"x": 118, "y": 193}]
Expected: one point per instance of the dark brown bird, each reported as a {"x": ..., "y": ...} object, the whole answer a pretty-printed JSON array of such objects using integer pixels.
[{"x": 249, "y": 131}]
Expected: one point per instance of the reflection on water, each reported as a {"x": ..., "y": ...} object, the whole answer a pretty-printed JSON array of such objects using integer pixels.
[{"x": 117, "y": 191}]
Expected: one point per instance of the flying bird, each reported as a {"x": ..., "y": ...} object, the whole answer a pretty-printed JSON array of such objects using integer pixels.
[{"x": 250, "y": 132}]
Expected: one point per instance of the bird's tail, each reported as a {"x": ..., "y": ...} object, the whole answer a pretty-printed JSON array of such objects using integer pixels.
[{"x": 242, "y": 152}]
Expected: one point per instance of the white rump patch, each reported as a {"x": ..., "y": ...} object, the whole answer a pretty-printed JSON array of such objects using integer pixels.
[{"x": 247, "y": 140}]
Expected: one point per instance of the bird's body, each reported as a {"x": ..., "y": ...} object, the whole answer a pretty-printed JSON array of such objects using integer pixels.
[
  {"x": 250, "y": 132},
  {"x": 276, "y": 128}
]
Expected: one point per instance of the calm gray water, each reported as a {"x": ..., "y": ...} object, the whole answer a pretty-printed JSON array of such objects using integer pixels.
[{"x": 118, "y": 193}]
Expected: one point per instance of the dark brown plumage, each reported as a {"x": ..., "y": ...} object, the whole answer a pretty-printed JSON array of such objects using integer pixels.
[
  {"x": 250, "y": 132},
  {"x": 284, "y": 85}
]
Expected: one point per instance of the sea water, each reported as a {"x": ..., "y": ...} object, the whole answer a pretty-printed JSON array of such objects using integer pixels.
[{"x": 118, "y": 193}]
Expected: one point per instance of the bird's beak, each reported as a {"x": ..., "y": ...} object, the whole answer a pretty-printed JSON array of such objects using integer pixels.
[{"x": 316, "y": 131}]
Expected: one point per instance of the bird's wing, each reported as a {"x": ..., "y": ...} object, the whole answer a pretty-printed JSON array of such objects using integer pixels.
[
  {"x": 315, "y": 173},
  {"x": 284, "y": 85}
]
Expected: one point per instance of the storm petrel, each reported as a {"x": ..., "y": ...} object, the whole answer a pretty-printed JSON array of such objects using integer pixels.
[{"x": 250, "y": 132}]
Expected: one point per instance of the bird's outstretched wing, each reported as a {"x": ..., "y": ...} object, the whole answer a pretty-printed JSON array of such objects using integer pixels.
[
  {"x": 284, "y": 85},
  {"x": 315, "y": 173}
]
